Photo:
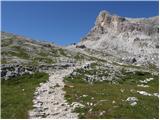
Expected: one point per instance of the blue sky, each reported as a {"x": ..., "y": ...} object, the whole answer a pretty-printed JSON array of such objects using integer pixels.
[{"x": 65, "y": 22}]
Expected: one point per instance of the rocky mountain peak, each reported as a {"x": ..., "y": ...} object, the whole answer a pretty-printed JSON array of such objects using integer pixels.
[
  {"x": 107, "y": 20},
  {"x": 103, "y": 17},
  {"x": 122, "y": 36}
]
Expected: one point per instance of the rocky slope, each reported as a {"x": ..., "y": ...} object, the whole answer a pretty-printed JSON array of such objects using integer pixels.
[
  {"x": 22, "y": 50},
  {"x": 125, "y": 38},
  {"x": 21, "y": 55}
]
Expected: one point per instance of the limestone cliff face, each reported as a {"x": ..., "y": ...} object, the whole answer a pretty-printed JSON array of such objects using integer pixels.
[{"x": 125, "y": 37}]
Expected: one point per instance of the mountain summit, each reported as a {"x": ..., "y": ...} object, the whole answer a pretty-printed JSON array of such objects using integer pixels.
[{"x": 125, "y": 37}]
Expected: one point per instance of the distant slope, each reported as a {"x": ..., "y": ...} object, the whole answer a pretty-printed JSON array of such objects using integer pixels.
[{"x": 22, "y": 50}]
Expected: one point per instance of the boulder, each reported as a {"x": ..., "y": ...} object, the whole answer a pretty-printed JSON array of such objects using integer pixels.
[
  {"x": 133, "y": 60},
  {"x": 132, "y": 100},
  {"x": 80, "y": 46}
]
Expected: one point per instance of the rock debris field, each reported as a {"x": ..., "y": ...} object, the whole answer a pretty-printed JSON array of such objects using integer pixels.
[{"x": 49, "y": 98}]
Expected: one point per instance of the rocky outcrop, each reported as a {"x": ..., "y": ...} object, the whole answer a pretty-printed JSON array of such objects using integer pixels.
[
  {"x": 125, "y": 37},
  {"x": 13, "y": 70},
  {"x": 80, "y": 46},
  {"x": 132, "y": 100}
]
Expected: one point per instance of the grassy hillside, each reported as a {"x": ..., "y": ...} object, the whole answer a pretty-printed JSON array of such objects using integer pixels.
[
  {"x": 17, "y": 95},
  {"x": 108, "y": 99}
]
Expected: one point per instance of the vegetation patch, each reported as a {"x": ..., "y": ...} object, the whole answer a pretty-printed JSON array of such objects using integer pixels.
[
  {"x": 108, "y": 100},
  {"x": 42, "y": 59},
  {"x": 43, "y": 54},
  {"x": 3, "y": 61},
  {"x": 79, "y": 56},
  {"x": 7, "y": 42},
  {"x": 17, "y": 95},
  {"x": 18, "y": 52},
  {"x": 62, "y": 52}
]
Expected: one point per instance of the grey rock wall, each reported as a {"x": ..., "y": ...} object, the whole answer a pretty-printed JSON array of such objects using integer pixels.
[
  {"x": 125, "y": 37},
  {"x": 13, "y": 70}
]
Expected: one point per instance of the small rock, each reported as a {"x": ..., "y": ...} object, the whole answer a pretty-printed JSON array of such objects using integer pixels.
[
  {"x": 144, "y": 93},
  {"x": 101, "y": 113},
  {"x": 87, "y": 103},
  {"x": 38, "y": 98},
  {"x": 85, "y": 95},
  {"x": 50, "y": 92},
  {"x": 65, "y": 109},
  {"x": 143, "y": 81},
  {"x": 69, "y": 86},
  {"x": 76, "y": 104},
  {"x": 38, "y": 105},
  {"x": 133, "y": 104},
  {"x": 40, "y": 84},
  {"x": 36, "y": 93},
  {"x": 90, "y": 110},
  {"x": 91, "y": 104},
  {"x": 113, "y": 102},
  {"x": 142, "y": 85},
  {"x": 62, "y": 104},
  {"x": 156, "y": 94},
  {"x": 132, "y": 100},
  {"x": 56, "y": 103},
  {"x": 133, "y": 91},
  {"x": 133, "y": 60},
  {"x": 57, "y": 85},
  {"x": 147, "y": 80},
  {"x": 55, "y": 113},
  {"x": 122, "y": 90}
]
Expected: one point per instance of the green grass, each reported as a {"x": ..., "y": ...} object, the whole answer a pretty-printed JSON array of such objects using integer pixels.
[
  {"x": 43, "y": 54},
  {"x": 79, "y": 56},
  {"x": 127, "y": 65},
  {"x": 19, "y": 52},
  {"x": 17, "y": 95},
  {"x": 62, "y": 52},
  {"x": 95, "y": 58},
  {"x": 42, "y": 59},
  {"x": 153, "y": 67},
  {"x": 3, "y": 61},
  {"x": 54, "y": 52},
  {"x": 7, "y": 42},
  {"x": 102, "y": 94}
]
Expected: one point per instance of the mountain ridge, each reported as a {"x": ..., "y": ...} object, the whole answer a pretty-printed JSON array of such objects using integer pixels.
[{"x": 125, "y": 37}]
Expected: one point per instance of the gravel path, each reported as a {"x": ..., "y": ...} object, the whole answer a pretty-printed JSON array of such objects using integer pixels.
[{"x": 49, "y": 98}]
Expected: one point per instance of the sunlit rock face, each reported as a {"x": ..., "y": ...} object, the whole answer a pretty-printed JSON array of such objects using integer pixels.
[{"x": 125, "y": 37}]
